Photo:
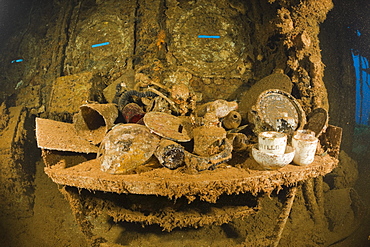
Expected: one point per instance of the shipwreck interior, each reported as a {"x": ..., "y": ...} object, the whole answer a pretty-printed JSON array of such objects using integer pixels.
[{"x": 139, "y": 122}]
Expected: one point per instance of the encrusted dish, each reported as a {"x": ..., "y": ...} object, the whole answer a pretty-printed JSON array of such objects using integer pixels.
[{"x": 273, "y": 161}]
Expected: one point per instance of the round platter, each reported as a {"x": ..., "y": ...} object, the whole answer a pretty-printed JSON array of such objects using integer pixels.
[
  {"x": 167, "y": 126},
  {"x": 274, "y": 106}
]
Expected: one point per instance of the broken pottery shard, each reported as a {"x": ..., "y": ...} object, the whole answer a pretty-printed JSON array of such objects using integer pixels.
[
  {"x": 126, "y": 147},
  {"x": 54, "y": 135},
  {"x": 167, "y": 126}
]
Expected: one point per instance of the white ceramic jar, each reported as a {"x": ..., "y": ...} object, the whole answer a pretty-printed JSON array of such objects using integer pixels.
[
  {"x": 272, "y": 142},
  {"x": 305, "y": 144}
]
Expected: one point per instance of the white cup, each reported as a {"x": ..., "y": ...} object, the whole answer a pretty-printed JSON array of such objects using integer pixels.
[
  {"x": 272, "y": 142},
  {"x": 305, "y": 145}
]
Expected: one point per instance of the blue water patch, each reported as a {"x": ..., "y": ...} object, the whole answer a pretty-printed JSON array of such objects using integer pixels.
[
  {"x": 362, "y": 72},
  {"x": 209, "y": 36},
  {"x": 100, "y": 44},
  {"x": 17, "y": 60}
]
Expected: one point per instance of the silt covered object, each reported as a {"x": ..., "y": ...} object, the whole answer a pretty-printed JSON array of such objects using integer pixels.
[{"x": 126, "y": 147}]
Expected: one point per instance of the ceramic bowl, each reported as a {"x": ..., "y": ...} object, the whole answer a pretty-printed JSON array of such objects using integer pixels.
[{"x": 273, "y": 161}]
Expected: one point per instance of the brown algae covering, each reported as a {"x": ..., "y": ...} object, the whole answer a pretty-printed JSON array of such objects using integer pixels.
[
  {"x": 207, "y": 185},
  {"x": 156, "y": 210},
  {"x": 169, "y": 217},
  {"x": 55, "y": 135},
  {"x": 150, "y": 40}
]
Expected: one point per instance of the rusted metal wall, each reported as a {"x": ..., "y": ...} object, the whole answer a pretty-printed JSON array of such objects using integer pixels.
[{"x": 160, "y": 39}]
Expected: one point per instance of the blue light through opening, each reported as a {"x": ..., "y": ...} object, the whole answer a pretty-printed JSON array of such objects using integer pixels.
[
  {"x": 209, "y": 36},
  {"x": 17, "y": 60},
  {"x": 362, "y": 72},
  {"x": 101, "y": 44}
]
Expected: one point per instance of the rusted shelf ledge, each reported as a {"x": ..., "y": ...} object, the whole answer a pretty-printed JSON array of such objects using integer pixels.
[{"x": 207, "y": 185}]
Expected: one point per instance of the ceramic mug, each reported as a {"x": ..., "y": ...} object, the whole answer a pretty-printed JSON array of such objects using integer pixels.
[
  {"x": 272, "y": 142},
  {"x": 305, "y": 145}
]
